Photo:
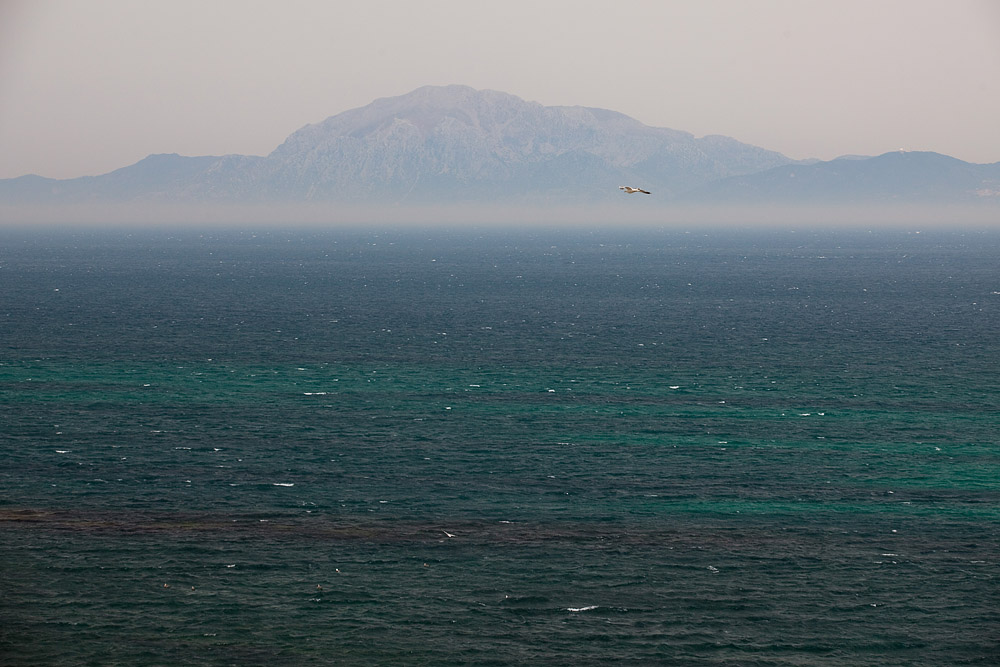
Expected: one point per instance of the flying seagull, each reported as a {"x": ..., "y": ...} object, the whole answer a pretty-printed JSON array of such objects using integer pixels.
[{"x": 632, "y": 191}]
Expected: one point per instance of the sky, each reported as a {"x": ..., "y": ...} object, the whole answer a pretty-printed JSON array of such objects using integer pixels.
[{"x": 88, "y": 86}]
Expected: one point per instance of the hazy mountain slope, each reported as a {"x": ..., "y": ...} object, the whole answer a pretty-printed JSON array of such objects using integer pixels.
[
  {"x": 910, "y": 177},
  {"x": 163, "y": 177}
]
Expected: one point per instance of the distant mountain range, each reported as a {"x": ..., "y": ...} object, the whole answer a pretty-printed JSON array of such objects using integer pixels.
[
  {"x": 457, "y": 144},
  {"x": 899, "y": 177}
]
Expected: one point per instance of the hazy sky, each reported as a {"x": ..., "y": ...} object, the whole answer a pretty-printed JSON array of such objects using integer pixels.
[{"x": 87, "y": 86}]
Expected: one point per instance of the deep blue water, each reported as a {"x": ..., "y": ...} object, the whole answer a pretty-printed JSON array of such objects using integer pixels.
[{"x": 482, "y": 447}]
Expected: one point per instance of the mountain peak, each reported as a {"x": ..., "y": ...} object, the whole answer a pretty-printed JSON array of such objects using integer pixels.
[
  {"x": 450, "y": 95},
  {"x": 423, "y": 108},
  {"x": 457, "y": 141}
]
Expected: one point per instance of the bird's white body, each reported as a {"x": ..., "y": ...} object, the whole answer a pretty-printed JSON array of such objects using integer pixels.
[{"x": 631, "y": 190}]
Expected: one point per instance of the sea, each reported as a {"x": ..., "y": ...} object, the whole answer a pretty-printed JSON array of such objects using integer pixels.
[{"x": 486, "y": 446}]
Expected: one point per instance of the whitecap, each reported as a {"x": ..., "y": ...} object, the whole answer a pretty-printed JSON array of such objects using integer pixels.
[
  {"x": 579, "y": 609},
  {"x": 63, "y": 451},
  {"x": 282, "y": 484}
]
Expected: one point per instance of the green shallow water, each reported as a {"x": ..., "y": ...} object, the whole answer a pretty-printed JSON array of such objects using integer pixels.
[{"x": 419, "y": 448}]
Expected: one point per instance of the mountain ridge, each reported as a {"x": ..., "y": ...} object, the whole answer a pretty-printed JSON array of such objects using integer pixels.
[
  {"x": 456, "y": 144},
  {"x": 904, "y": 176},
  {"x": 435, "y": 143}
]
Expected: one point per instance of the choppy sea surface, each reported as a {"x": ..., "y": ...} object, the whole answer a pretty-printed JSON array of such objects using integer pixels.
[{"x": 494, "y": 448}]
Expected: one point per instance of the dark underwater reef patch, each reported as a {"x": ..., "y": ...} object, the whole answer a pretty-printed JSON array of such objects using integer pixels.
[{"x": 768, "y": 537}]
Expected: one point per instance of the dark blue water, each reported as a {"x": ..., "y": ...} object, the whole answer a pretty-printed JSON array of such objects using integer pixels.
[{"x": 485, "y": 447}]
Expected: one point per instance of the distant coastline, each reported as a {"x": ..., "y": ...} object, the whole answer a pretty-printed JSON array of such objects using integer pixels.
[{"x": 447, "y": 152}]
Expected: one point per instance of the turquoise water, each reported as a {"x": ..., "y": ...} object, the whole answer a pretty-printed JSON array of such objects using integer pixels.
[{"x": 568, "y": 447}]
